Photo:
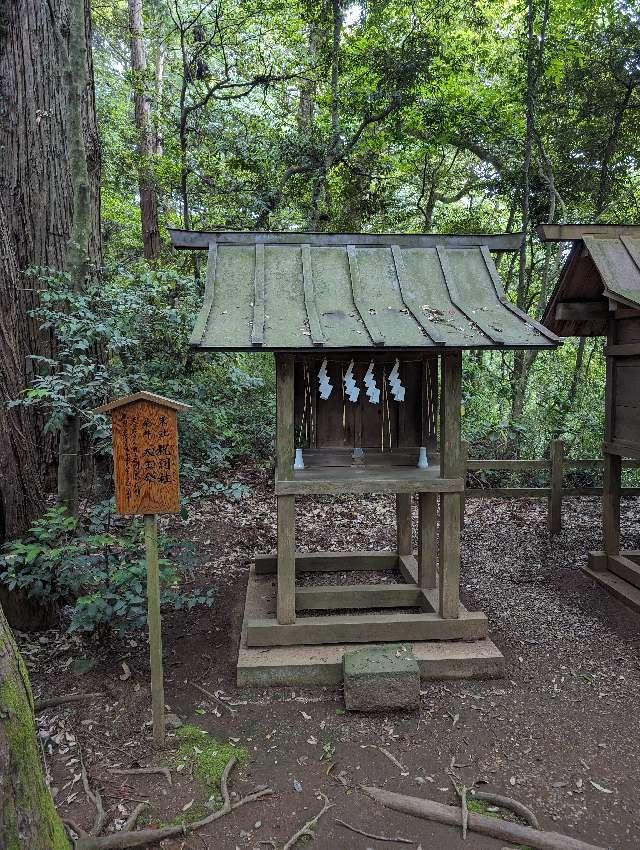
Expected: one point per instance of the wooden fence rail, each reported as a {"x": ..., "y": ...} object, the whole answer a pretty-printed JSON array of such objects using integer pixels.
[{"x": 556, "y": 465}]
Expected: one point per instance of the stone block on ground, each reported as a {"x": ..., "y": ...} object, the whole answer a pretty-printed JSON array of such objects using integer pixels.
[{"x": 379, "y": 678}]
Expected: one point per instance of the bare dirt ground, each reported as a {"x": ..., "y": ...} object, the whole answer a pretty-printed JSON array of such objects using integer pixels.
[{"x": 560, "y": 732}]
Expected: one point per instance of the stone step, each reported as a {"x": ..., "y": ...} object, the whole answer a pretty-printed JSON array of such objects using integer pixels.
[{"x": 379, "y": 678}]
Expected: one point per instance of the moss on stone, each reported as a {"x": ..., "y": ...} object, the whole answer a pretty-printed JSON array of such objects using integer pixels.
[{"x": 206, "y": 757}]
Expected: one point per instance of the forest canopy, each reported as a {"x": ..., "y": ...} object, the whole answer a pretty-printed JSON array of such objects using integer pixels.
[
  {"x": 445, "y": 117},
  {"x": 388, "y": 116}
]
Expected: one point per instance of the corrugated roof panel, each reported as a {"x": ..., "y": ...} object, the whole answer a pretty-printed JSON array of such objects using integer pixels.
[
  {"x": 384, "y": 300},
  {"x": 340, "y": 296},
  {"x": 476, "y": 290},
  {"x": 230, "y": 321},
  {"x": 286, "y": 321},
  {"x": 337, "y": 311},
  {"x": 619, "y": 272},
  {"x": 425, "y": 273}
]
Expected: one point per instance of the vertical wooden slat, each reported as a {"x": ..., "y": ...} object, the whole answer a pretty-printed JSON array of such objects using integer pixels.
[
  {"x": 427, "y": 540},
  {"x": 358, "y": 298},
  {"x": 464, "y": 461},
  {"x": 317, "y": 334},
  {"x": 403, "y": 522},
  {"x": 451, "y": 397},
  {"x": 286, "y": 604},
  {"x": 611, "y": 503},
  {"x": 612, "y": 475},
  {"x": 257, "y": 332},
  {"x": 285, "y": 444},
  {"x": 556, "y": 456}
]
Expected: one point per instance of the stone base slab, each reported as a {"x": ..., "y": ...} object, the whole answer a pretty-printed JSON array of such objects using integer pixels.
[{"x": 323, "y": 665}]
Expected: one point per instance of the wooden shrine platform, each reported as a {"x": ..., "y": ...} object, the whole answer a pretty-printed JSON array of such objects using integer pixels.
[
  {"x": 310, "y": 650},
  {"x": 619, "y": 574}
]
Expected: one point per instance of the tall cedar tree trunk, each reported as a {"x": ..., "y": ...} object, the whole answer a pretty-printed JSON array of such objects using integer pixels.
[
  {"x": 21, "y": 495},
  {"x": 78, "y": 248},
  {"x": 142, "y": 114},
  {"x": 37, "y": 201},
  {"x": 28, "y": 818}
]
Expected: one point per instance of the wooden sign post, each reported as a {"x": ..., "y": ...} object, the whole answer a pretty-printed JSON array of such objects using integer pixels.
[{"x": 145, "y": 461}]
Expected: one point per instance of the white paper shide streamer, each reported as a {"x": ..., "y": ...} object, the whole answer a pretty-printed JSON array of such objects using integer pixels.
[
  {"x": 373, "y": 393},
  {"x": 397, "y": 390},
  {"x": 351, "y": 388},
  {"x": 325, "y": 385}
]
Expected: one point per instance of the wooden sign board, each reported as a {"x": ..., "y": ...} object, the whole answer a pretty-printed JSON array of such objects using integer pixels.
[{"x": 145, "y": 454}]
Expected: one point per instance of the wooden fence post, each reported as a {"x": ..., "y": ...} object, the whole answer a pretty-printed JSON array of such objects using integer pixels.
[{"x": 556, "y": 456}]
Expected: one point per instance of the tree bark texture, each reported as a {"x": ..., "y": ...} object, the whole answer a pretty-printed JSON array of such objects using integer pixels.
[
  {"x": 21, "y": 496},
  {"x": 142, "y": 115},
  {"x": 28, "y": 818},
  {"x": 37, "y": 199}
]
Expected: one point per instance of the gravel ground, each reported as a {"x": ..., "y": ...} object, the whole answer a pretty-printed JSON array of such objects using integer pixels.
[{"x": 559, "y": 732}]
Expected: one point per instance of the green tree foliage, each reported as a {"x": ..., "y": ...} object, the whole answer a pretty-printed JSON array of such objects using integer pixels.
[{"x": 388, "y": 115}]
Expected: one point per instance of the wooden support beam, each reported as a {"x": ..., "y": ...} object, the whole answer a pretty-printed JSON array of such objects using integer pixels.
[
  {"x": 358, "y": 596},
  {"x": 611, "y": 503},
  {"x": 627, "y": 349},
  {"x": 464, "y": 466},
  {"x": 427, "y": 540},
  {"x": 570, "y": 232},
  {"x": 286, "y": 607},
  {"x": 582, "y": 311},
  {"x": 367, "y": 628},
  {"x": 556, "y": 455},
  {"x": 449, "y": 566},
  {"x": 403, "y": 523},
  {"x": 622, "y": 449},
  {"x": 329, "y": 562},
  {"x": 285, "y": 443},
  {"x": 414, "y": 483},
  {"x": 197, "y": 239}
]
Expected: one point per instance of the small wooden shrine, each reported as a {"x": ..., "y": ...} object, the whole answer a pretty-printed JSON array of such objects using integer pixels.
[
  {"x": 368, "y": 332},
  {"x": 598, "y": 294}
]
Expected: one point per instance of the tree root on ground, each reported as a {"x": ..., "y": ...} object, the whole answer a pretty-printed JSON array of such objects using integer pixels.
[
  {"x": 372, "y": 835},
  {"x": 512, "y": 832},
  {"x": 140, "y": 838},
  {"x": 41, "y": 704},
  {"x": 307, "y": 829},
  {"x": 508, "y": 803},
  {"x": 135, "y": 771}
]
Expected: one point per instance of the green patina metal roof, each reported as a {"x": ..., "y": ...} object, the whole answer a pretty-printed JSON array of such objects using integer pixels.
[
  {"x": 273, "y": 292},
  {"x": 604, "y": 263}
]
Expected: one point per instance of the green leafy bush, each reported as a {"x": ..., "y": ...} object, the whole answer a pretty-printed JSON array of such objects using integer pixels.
[{"x": 95, "y": 572}]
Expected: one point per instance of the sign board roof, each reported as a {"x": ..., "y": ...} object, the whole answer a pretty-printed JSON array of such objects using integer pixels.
[{"x": 300, "y": 291}]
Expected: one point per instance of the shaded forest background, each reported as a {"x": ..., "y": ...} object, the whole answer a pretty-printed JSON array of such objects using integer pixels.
[{"x": 334, "y": 116}]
